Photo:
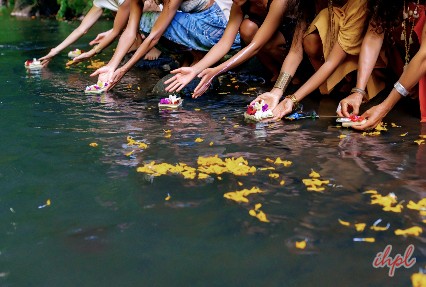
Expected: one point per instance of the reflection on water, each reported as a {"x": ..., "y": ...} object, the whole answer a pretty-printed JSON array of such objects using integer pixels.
[{"x": 110, "y": 225}]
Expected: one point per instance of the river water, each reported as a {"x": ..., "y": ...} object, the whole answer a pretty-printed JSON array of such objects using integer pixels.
[{"x": 77, "y": 215}]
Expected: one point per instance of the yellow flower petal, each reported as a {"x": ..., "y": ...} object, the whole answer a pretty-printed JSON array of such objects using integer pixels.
[
  {"x": 344, "y": 223},
  {"x": 403, "y": 135},
  {"x": 419, "y": 142},
  {"x": 360, "y": 227},
  {"x": 413, "y": 231},
  {"x": 395, "y": 125},
  {"x": 48, "y": 202},
  {"x": 274, "y": 175},
  {"x": 199, "y": 140},
  {"x": 197, "y": 109},
  {"x": 282, "y": 182},
  {"x": 168, "y": 197},
  {"x": 211, "y": 143},
  {"x": 240, "y": 183},
  {"x": 301, "y": 244},
  {"x": 93, "y": 144},
  {"x": 314, "y": 174},
  {"x": 342, "y": 136},
  {"x": 418, "y": 280}
]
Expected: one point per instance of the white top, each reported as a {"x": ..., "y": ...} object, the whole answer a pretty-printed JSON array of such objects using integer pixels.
[
  {"x": 108, "y": 4},
  {"x": 225, "y": 6}
]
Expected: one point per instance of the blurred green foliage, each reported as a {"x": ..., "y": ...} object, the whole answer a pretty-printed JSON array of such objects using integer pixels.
[{"x": 73, "y": 8}]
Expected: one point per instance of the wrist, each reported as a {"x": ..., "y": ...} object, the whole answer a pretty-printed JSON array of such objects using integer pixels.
[
  {"x": 293, "y": 99},
  {"x": 283, "y": 81},
  {"x": 277, "y": 92},
  {"x": 363, "y": 96}
]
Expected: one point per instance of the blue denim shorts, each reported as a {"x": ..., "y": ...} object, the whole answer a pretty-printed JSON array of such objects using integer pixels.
[{"x": 195, "y": 31}]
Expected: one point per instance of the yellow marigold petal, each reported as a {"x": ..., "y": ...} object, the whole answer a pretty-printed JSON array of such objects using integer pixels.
[
  {"x": 422, "y": 136},
  {"x": 168, "y": 197},
  {"x": 197, "y": 109},
  {"x": 342, "y": 136},
  {"x": 413, "y": 231},
  {"x": 300, "y": 244},
  {"x": 167, "y": 131},
  {"x": 381, "y": 127},
  {"x": 262, "y": 217},
  {"x": 282, "y": 182},
  {"x": 344, "y": 223},
  {"x": 405, "y": 134},
  {"x": 418, "y": 280},
  {"x": 397, "y": 208},
  {"x": 199, "y": 140},
  {"x": 240, "y": 183},
  {"x": 202, "y": 176},
  {"x": 252, "y": 212},
  {"x": 257, "y": 206},
  {"x": 360, "y": 226},
  {"x": 236, "y": 126},
  {"x": 211, "y": 143},
  {"x": 395, "y": 125},
  {"x": 366, "y": 239},
  {"x": 379, "y": 228},
  {"x": 370, "y": 192},
  {"x": 314, "y": 188},
  {"x": 419, "y": 142},
  {"x": 274, "y": 175},
  {"x": 93, "y": 144},
  {"x": 269, "y": 160},
  {"x": 314, "y": 174},
  {"x": 48, "y": 202}
]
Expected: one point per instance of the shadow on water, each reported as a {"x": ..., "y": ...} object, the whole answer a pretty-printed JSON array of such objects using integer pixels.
[{"x": 108, "y": 224}]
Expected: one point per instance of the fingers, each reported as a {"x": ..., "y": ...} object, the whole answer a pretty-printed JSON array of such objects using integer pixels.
[
  {"x": 176, "y": 71},
  {"x": 339, "y": 110},
  {"x": 95, "y": 73},
  {"x": 173, "y": 87},
  {"x": 345, "y": 108},
  {"x": 172, "y": 79}
]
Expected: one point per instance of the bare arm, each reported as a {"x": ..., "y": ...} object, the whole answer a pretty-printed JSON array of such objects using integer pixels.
[
  {"x": 409, "y": 78},
  {"x": 120, "y": 21},
  {"x": 370, "y": 50},
  {"x": 290, "y": 65},
  {"x": 88, "y": 21},
  {"x": 263, "y": 35},
  {"x": 185, "y": 74}
]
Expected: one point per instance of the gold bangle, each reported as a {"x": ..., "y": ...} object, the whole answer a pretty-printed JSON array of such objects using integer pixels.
[
  {"x": 283, "y": 81},
  {"x": 361, "y": 92},
  {"x": 296, "y": 103}
]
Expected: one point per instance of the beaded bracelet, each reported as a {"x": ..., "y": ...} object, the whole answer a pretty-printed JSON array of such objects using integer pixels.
[{"x": 401, "y": 89}]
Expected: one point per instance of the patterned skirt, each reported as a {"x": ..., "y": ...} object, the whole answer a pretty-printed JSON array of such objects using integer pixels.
[{"x": 193, "y": 31}]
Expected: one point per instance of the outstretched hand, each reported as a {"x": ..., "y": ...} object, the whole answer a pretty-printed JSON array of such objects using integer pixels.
[
  {"x": 46, "y": 59},
  {"x": 207, "y": 77},
  {"x": 99, "y": 38},
  {"x": 374, "y": 117},
  {"x": 115, "y": 78},
  {"x": 282, "y": 109},
  {"x": 349, "y": 105},
  {"x": 84, "y": 56},
  {"x": 181, "y": 78},
  {"x": 104, "y": 74},
  {"x": 270, "y": 99}
]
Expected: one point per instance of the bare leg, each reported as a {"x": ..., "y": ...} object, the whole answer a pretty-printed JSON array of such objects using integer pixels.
[
  {"x": 152, "y": 54},
  {"x": 312, "y": 46},
  {"x": 136, "y": 44}
]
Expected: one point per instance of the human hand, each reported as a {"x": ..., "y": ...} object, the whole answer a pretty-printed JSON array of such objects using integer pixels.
[
  {"x": 99, "y": 38},
  {"x": 116, "y": 77},
  {"x": 82, "y": 57},
  {"x": 207, "y": 76},
  {"x": 283, "y": 108},
  {"x": 181, "y": 78},
  {"x": 270, "y": 99},
  {"x": 104, "y": 73},
  {"x": 374, "y": 117},
  {"x": 349, "y": 105},
  {"x": 46, "y": 59}
]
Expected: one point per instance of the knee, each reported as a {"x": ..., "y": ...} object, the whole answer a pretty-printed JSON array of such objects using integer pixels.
[
  {"x": 247, "y": 30},
  {"x": 312, "y": 45}
]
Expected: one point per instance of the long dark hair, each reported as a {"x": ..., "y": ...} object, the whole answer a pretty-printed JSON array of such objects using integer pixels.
[{"x": 385, "y": 15}]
